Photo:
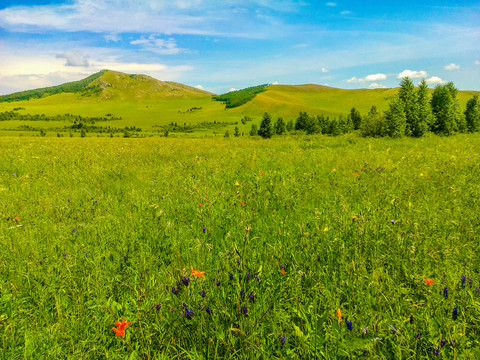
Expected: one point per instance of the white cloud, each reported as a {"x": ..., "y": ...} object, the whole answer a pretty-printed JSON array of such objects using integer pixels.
[
  {"x": 275, "y": 83},
  {"x": 232, "y": 89},
  {"x": 158, "y": 46},
  {"x": 199, "y": 87},
  {"x": 375, "y": 77},
  {"x": 345, "y": 12},
  {"x": 324, "y": 70},
  {"x": 369, "y": 78},
  {"x": 331, "y": 4},
  {"x": 113, "y": 37},
  {"x": 477, "y": 62},
  {"x": 376, "y": 86},
  {"x": 73, "y": 59},
  {"x": 434, "y": 80},
  {"x": 412, "y": 74},
  {"x": 452, "y": 66}
]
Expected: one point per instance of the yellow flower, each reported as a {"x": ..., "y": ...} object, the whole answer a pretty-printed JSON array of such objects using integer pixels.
[{"x": 339, "y": 314}]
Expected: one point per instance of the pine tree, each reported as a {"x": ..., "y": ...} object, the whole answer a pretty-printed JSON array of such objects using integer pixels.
[
  {"x": 356, "y": 118},
  {"x": 279, "y": 126},
  {"x": 472, "y": 114},
  {"x": 395, "y": 118},
  {"x": 253, "y": 130},
  {"x": 266, "y": 129},
  {"x": 444, "y": 109},
  {"x": 408, "y": 101},
  {"x": 301, "y": 122},
  {"x": 237, "y": 132},
  {"x": 424, "y": 117}
]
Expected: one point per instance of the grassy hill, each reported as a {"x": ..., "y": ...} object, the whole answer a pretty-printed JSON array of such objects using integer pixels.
[{"x": 150, "y": 104}]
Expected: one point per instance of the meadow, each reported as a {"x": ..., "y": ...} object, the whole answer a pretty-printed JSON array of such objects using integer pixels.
[{"x": 311, "y": 247}]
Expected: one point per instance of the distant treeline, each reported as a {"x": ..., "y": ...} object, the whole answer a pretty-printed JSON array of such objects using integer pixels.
[
  {"x": 71, "y": 87},
  {"x": 13, "y": 115},
  {"x": 412, "y": 112},
  {"x": 189, "y": 128},
  {"x": 236, "y": 98}
]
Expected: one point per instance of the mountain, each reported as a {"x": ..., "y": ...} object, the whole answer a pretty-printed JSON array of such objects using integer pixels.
[{"x": 108, "y": 84}]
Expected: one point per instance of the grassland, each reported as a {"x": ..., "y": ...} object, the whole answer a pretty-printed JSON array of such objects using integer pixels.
[{"x": 93, "y": 231}]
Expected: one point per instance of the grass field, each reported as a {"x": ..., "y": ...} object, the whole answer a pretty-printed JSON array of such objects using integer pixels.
[{"x": 290, "y": 232}]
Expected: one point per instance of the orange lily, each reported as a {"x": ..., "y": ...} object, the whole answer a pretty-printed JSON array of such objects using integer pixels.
[
  {"x": 283, "y": 272},
  {"x": 429, "y": 281},
  {"x": 339, "y": 314},
  {"x": 119, "y": 332},
  {"x": 120, "y": 327},
  {"x": 197, "y": 273}
]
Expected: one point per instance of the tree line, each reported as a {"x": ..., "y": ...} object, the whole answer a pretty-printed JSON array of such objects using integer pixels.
[{"x": 412, "y": 112}]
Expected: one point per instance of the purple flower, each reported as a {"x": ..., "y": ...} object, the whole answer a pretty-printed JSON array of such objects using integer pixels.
[
  {"x": 41, "y": 263},
  {"x": 185, "y": 280},
  {"x": 417, "y": 335},
  {"x": 124, "y": 257},
  {"x": 230, "y": 276},
  {"x": 179, "y": 284},
  {"x": 188, "y": 314},
  {"x": 65, "y": 255},
  {"x": 470, "y": 282},
  {"x": 252, "y": 298},
  {"x": 208, "y": 310},
  {"x": 443, "y": 342},
  {"x": 256, "y": 277},
  {"x": 445, "y": 293},
  {"x": 318, "y": 257},
  {"x": 463, "y": 281},
  {"x": 248, "y": 275},
  {"x": 218, "y": 283},
  {"x": 238, "y": 262},
  {"x": 394, "y": 330},
  {"x": 282, "y": 340},
  {"x": 204, "y": 230},
  {"x": 435, "y": 352},
  {"x": 244, "y": 310},
  {"x": 349, "y": 325},
  {"x": 452, "y": 343},
  {"x": 375, "y": 328},
  {"x": 203, "y": 293},
  {"x": 158, "y": 306},
  {"x": 175, "y": 291},
  {"x": 392, "y": 221},
  {"x": 242, "y": 293},
  {"x": 454, "y": 314}
]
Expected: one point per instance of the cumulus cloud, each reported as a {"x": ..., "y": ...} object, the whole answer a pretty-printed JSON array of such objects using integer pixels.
[
  {"x": 376, "y": 86},
  {"x": 324, "y": 70},
  {"x": 331, "y": 4},
  {"x": 158, "y": 46},
  {"x": 232, "y": 89},
  {"x": 368, "y": 78},
  {"x": 434, "y": 80},
  {"x": 73, "y": 58},
  {"x": 452, "y": 66},
  {"x": 275, "y": 83},
  {"x": 113, "y": 37},
  {"x": 200, "y": 87},
  {"x": 345, "y": 12},
  {"x": 477, "y": 62},
  {"x": 412, "y": 74}
]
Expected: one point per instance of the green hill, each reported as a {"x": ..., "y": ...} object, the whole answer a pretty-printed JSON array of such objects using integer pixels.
[{"x": 143, "y": 102}]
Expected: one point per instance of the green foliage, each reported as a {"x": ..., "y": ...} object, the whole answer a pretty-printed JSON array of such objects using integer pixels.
[
  {"x": 253, "y": 130},
  {"x": 266, "y": 128},
  {"x": 356, "y": 118},
  {"x": 237, "y": 98},
  {"x": 280, "y": 127},
  {"x": 373, "y": 124},
  {"x": 290, "y": 125},
  {"x": 227, "y": 134},
  {"x": 396, "y": 119},
  {"x": 406, "y": 102},
  {"x": 424, "y": 117},
  {"x": 71, "y": 87},
  {"x": 302, "y": 120},
  {"x": 443, "y": 108},
  {"x": 472, "y": 114},
  {"x": 83, "y": 133},
  {"x": 237, "y": 132}
]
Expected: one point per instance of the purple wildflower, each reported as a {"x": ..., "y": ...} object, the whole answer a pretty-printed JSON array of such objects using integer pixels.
[
  {"x": 124, "y": 257},
  {"x": 248, "y": 275},
  {"x": 436, "y": 351},
  {"x": 394, "y": 330},
  {"x": 203, "y": 293},
  {"x": 252, "y": 298},
  {"x": 392, "y": 221},
  {"x": 282, "y": 340},
  {"x": 218, "y": 283},
  {"x": 318, "y": 257},
  {"x": 158, "y": 306},
  {"x": 417, "y": 335},
  {"x": 349, "y": 325},
  {"x": 242, "y": 293},
  {"x": 443, "y": 342},
  {"x": 244, "y": 310},
  {"x": 208, "y": 310},
  {"x": 230, "y": 276},
  {"x": 454, "y": 314},
  {"x": 256, "y": 277},
  {"x": 452, "y": 343},
  {"x": 445, "y": 293},
  {"x": 175, "y": 291},
  {"x": 204, "y": 229}
]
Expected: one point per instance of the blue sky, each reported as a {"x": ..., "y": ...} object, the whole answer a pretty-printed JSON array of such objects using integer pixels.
[{"x": 232, "y": 44}]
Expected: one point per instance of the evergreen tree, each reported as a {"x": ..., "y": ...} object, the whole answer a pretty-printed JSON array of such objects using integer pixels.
[
  {"x": 472, "y": 114},
  {"x": 323, "y": 124},
  {"x": 237, "y": 132},
  {"x": 424, "y": 117},
  {"x": 356, "y": 118},
  {"x": 373, "y": 124},
  {"x": 459, "y": 119},
  {"x": 279, "y": 126},
  {"x": 253, "y": 130},
  {"x": 301, "y": 122},
  {"x": 334, "y": 127},
  {"x": 444, "y": 109},
  {"x": 266, "y": 129},
  {"x": 311, "y": 125},
  {"x": 408, "y": 101},
  {"x": 395, "y": 118},
  {"x": 290, "y": 126}
]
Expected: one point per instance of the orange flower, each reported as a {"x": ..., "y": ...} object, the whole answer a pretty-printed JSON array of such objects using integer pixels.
[
  {"x": 339, "y": 314},
  {"x": 261, "y": 174},
  {"x": 283, "y": 272},
  {"x": 201, "y": 204},
  {"x": 119, "y": 332},
  {"x": 17, "y": 218},
  {"x": 120, "y": 327},
  {"x": 197, "y": 273},
  {"x": 429, "y": 281},
  {"x": 242, "y": 203}
]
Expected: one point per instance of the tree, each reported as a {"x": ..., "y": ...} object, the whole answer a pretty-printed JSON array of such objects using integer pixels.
[
  {"x": 279, "y": 126},
  {"x": 408, "y": 101},
  {"x": 424, "y": 117},
  {"x": 356, "y": 118},
  {"x": 266, "y": 129},
  {"x": 227, "y": 134},
  {"x": 334, "y": 127},
  {"x": 472, "y": 114},
  {"x": 323, "y": 124},
  {"x": 83, "y": 133},
  {"x": 301, "y": 122},
  {"x": 311, "y": 125},
  {"x": 290, "y": 125},
  {"x": 373, "y": 124},
  {"x": 395, "y": 118},
  {"x": 444, "y": 109},
  {"x": 253, "y": 130},
  {"x": 237, "y": 132}
]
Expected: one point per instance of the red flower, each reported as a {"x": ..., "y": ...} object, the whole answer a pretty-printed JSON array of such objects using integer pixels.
[
  {"x": 242, "y": 203},
  {"x": 429, "y": 281},
  {"x": 200, "y": 204},
  {"x": 120, "y": 327}
]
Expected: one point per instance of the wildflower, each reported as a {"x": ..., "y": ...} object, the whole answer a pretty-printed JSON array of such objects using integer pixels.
[
  {"x": 435, "y": 352},
  {"x": 208, "y": 310},
  {"x": 188, "y": 314},
  {"x": 200, "y": 204},
  {"x": 64, "y": 255},
  {"x": 454, "y": 314},
  {"x": 237, "y": 183},
  {"x": 339, "y": 314},
  {"x": 443, "y": 342},
  {"x": 204, "y": 229},
  {"x": 463, "y": 281},
  {"x": 197, "y": 273},
  {"x": 230, "y": 276},
  {"x": 452, "y": 343},
  {"x": 17, "y": 218},
  {"x": 283, "y": 272},
  {"x": 365, "y": 331},
  {"x": 417, "y": 336},
  {"x": 318, "y": 257},
  {"x": 248, "y": 275},
  {"x": 429, "y": 281},
  {"x": 256, "y": 277},
  {"x": 218, "y": 283},
  {"x": 202, "y": 294},
  {"x": 175, "y": 291},
  {"x": 349, "y": 325},
  {"x": 394, "y": 330},
  {"x": 179, "y": 284},
  {"x": 185, "y": 280},
  {"x": 41, "y": 263},
  {"x": 158, "y": 306},
  {"x": 392, "y": 221},
  {"x": 121, "y": 326},
  {"x": 282, "y": 340},
  {"x": 244, "y": 310},
  {"x": 242, "y": 203},
  {"x": 125, "y": 258},
  {"x": 252, "y": 298},
  {"x": 445, "y": 293},
  {"x": 242, "y": 293},
  {"x": 375, "y": 327}
]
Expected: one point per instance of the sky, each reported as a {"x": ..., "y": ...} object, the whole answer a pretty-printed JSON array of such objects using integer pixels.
[{"x": 232, "y": 44}]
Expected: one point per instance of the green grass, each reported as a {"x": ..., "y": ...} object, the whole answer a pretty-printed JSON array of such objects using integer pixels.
[{"x": 320, "y": 206}]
